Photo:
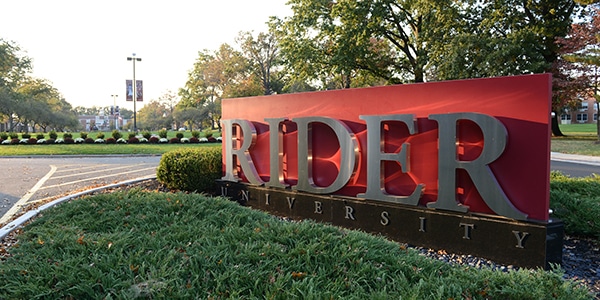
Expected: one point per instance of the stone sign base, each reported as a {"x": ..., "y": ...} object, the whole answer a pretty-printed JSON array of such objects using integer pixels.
[{"x": 505, "y": 241}]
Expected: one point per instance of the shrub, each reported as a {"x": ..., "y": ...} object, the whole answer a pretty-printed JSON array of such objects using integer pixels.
[
  {"x": 174, "y": 140},
  {"x": 100, "y": 135},
  {"x": 40, "y": 136},
  {"x": 32, "y": 141},
  {"x": 146, "y": 134},
  {"x": 13, "y": 135},
  {"x": 69, "y": 141},
  {"x": 67, "y": 135},
  {"x": 153, "y": 139},
  {"x": 208, "y": 133},
  {"x": 25, "y": 135},
  {"x": 83, "y": 135},
  {"x": 3, "y": 136},
  {"x": 14, "y": 141},
  {"x": 89, "y": 140},
  {"x": 195, "y": 133},
  {"x": 116, "y": 134},
  {"x": 212, "y": 139},
  {"x": 194, "y": 140},
  {"x": 50, "y": 141},
  {"x": 191, "y": 169},
  {"x": 179, "y": 135},
  {"x": 133, "y": 140},
  {"x": 52, "y": 134},
  {"x": 162, "y": 133},
  {"x": 111, "y": 140},
  {"x": 131, "y": 135}
]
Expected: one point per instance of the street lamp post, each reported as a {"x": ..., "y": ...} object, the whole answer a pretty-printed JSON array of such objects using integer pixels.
[
  {"x": 134, "y": 86},
  {"x": 115, "y": 112}
]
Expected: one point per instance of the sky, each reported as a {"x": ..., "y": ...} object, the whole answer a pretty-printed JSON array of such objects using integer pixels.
[{"x": 81, "y": 47}]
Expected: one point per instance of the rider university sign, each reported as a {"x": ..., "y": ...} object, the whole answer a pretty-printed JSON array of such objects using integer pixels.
[{"x": 460, "y": 165}]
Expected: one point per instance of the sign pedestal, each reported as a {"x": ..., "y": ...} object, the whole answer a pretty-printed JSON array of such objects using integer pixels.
[{"x": 503, "y": 240}]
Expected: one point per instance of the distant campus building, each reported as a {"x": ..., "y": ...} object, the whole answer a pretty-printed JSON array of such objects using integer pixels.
[
  {"x": 101, "y": 122},
  {"x": 586, "y": 113}
]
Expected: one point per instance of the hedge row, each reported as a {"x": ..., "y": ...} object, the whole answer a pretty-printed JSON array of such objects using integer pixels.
[{"x": 131, "y": 140}]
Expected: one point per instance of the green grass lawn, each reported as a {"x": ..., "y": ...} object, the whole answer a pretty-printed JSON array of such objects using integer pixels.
[
  {"x": 96, "y": 149},
  {"x": 137, "y": 244}
]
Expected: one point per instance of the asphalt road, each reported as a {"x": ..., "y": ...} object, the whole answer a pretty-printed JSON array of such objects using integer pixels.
[{"x": 27, "y": 180}]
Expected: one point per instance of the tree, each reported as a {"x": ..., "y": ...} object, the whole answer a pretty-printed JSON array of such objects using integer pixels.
[
  {"x": 581, "y": 51},
  {"x": 191, "y": 116},
  {"x": 263, "y": 55},
  {"x": 154, "y": 115},
  {"x": 13, "y": 66}
]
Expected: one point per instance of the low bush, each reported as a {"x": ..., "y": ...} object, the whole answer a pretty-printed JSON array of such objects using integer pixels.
[
  {"x": 3, "y": 136},
  {"x": 196, "y": 133},
  {"x": 162, "y": 133},
  {"x": 131, "y": 135},
  {"x": 174, "y": 140},
  {"x": 52, "y": 134},
  {"x": 153, "y": 140},
  {"x": 194, "y": 140},
  {"x": 576, "y": 201},
  {"x": 67, "y": 135},
  {"x": 100, "y": 135},
  {"x": 50, "y": 141},
  {"x": 116, "y": 134},
  {"x": 32, "y": 141},
  {"x": 40, "y": 136},
  {"x": 133, "y": 140},
  {"x": 69, "y": 141},
  {"x": 111, "y": 140},
  {"x": 146, "y": 134},
  {"x": 89, "y": 140},
  {"x": 208, "y": 133},
  {"x": 13, "y": 135},
  {"x": 83, "y": 135},
  {"x": 212, "y": 139},
  {"x": 191, "y": 169},
  {"x": 25, "y": 135},
  {"x": 179, "y": 135}
]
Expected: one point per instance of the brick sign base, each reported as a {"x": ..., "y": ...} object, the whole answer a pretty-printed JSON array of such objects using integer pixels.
[{"x": 505, "y": 241}]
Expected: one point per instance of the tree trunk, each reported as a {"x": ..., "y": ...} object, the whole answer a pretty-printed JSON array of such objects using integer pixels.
[{"x": 554, "y": 125}]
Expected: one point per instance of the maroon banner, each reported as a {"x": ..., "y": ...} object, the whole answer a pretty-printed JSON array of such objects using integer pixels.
[{"x": 128, "y": 90}]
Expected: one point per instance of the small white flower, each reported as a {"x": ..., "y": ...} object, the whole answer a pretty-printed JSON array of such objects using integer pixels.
[
  {"x": 99, "y": 141},
  {"x": 143, "y": 140},
  {"x": 121, "y": 141},
  {"x": 79, "y": 141},
  {"x": 184, "y": 140},
  {"x": 24, "y": 141},
  {"x": 163, "y": 140},
  {"x": 59, "y": 141},
  {"x": 41, "y": 141},
  {"x": 6, "y": 142},
  {"x": 203, "y": 140}
]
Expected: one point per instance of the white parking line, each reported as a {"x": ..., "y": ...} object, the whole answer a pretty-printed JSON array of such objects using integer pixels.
[
  {"x": 93, "y": 178},
  {"x": 96, "y": 171},
  {"x": 15, "y": 208}
]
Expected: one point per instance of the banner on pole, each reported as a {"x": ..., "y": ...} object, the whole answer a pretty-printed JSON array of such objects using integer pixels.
[{"x": 129, "y": 90}]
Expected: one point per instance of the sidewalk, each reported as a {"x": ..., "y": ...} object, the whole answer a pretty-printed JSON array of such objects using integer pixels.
[{"x": 574, "y": 158}]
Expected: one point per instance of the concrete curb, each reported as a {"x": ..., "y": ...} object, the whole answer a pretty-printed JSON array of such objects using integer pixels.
[
  {"x": 574, "y": 158},
  {"x": 8, "y": 228}
]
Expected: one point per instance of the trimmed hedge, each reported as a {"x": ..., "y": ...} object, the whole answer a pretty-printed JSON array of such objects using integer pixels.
[{"x": 191, "y": 169}]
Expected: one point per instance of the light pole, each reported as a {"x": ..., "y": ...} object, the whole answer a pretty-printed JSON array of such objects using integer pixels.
[
  {"x": 134, "y": 86},
  {"x": 116, "y": 113}
]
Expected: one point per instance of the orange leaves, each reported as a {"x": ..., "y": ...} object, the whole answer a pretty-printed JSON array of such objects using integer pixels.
[{"x": 298, "y": 275}]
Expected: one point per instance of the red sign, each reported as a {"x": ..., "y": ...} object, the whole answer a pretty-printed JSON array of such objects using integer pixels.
[{"x": 480, "y": 145}]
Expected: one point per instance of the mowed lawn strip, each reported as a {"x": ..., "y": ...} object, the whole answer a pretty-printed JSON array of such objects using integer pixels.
[{"x": 183, "y": 246}]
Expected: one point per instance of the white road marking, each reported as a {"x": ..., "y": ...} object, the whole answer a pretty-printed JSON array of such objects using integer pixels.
[
  {"x": 96, "y": 171},
  {"x": 93, "y": 178},
  {"x": 15, "y": 208}
]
